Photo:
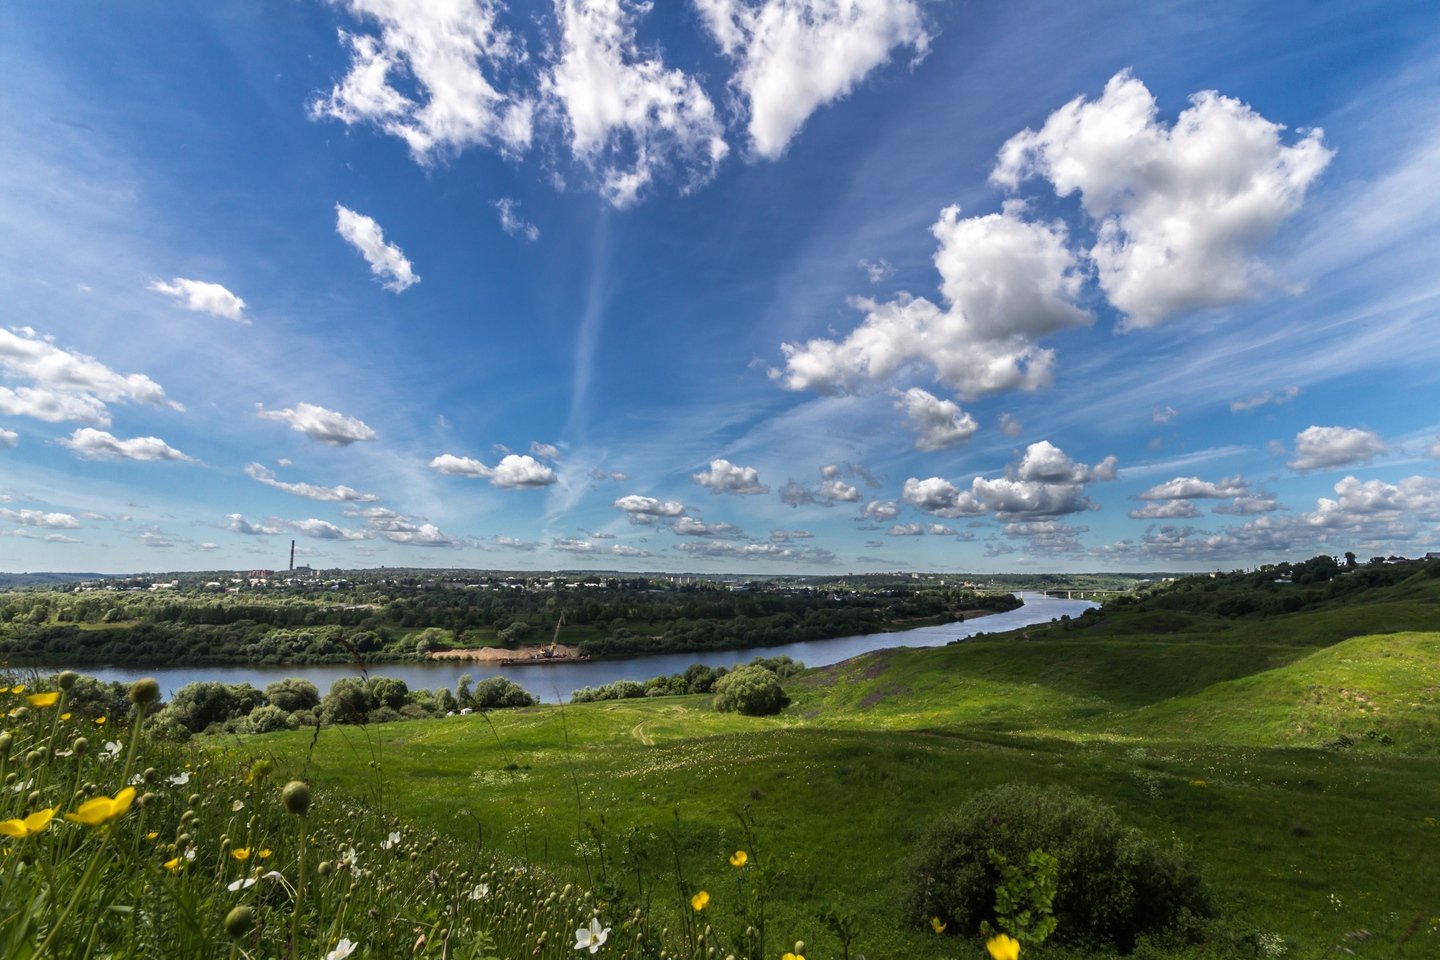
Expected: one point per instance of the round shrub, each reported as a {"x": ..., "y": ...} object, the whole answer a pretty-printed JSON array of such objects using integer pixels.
[
  {"x": 267, "y": 719},
  {"x": 1114, "y": 883},
  {"x": 496, "y": 692},
  {"x": 751, "y": 690}
]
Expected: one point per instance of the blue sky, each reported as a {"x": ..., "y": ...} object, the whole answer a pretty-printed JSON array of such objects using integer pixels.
[{"x": 807, "y": 286}]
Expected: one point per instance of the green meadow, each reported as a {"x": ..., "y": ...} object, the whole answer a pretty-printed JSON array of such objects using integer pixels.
[{"x": 1290, "y": 749}]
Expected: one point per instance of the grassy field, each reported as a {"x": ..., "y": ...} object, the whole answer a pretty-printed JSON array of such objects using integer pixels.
[{"x": 1297, "y": 757}]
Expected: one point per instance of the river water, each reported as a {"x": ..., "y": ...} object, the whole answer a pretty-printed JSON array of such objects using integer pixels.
[{"x": 555, "y": 682}]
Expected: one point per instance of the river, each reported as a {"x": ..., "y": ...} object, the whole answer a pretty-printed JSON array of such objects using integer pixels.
[{"x": 555, "y": 682}]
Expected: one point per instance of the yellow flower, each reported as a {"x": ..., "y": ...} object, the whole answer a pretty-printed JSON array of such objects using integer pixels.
[
  {"x": 1003, "y": 947},
  {"x": 98, "y": 810},
  {"x": 241, "y": 853},
  {"x": 42, "y": 700},
  {"x": 99, "y": 721},
  {"x": 31, "y": 825},
  {"x": 937, "y": 925},
  {"x": 792, "y": 956},
  {"x": 264, "y": 853},
  {"x": 700, "y": 900},
  {"x": 175, "y": 865},
  {"x": 739, "y": 859},
  {"x": 65, "y": 715},
  {"x": 152, "y": 834},
  {"x": 18, "y": 688}
]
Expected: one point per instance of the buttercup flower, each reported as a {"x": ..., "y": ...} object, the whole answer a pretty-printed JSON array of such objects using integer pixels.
[
  {"x": 99, "y": 721},
  {"x": 41, "y": 700},
  {"x": 1003, "y": 947},
  {"x": 264, "y": 853},
  {"x": 700, "y": 900},
  {"x": 241, "y": 853},
  {"x": 31, "y": 825},
  {"x": 592, "y": 937},
  {"x": 792, "y": 956},
  {"x": 937, "y": 925},
  {"x": 18, "y": 688},
  {"x": 739, "y": 858},
  {"x": 175, "y": 865},
  {"x": 99, "y": 810}
]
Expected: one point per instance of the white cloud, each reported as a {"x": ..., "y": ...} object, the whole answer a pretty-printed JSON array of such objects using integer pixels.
[
  {"x": 1360, "y": 507},
  {"x": 1244, "y": 506},
  {"x": 877, "y": 270},
  {"x": 253, "y": 529},
  {"x": 940, "y": 530},
  {"x": 1179, "y": 210},
  {"x": 1046, "y": 536},
  {"x": 9, "y": 438},
  {"x": 385, "y": 259},
  {"x": 39, "y": 518},
  {"x": 53, "y": 407},
  {"x": 545, "y": 451},
  {"x": 729, "y": 550},
  {"x": 95, "y": 444},
  {"x": 937, "y": 423},
  {"x": 1006, "y": 282},
  {"x": 209, "y": 547},
  {"x": 726, "y": 477},
  {"x": 640, "y": 509},
  {"x": 1045, "y": 483},
  {"x": 1163, "y": 415},
  {"x": 1010, "y": 425},
  {"x": 325, "y": 530},
  {"x": 572, "y": 545},
  {"x": 881, "y": 511},
  {"x": 1166, "y": 510},
  {"x": 690, "y": 527},
  {"x": 511, "y": 222},
  {"x": 338, "y": 494},
  {"x": 410, "y": 532},
  {"x": 784, "y": 536},
  {"x": 1193, "y": 487},
  {"x": 795, "y": 56},
  {"x": 1263, "y": 398},
  {"x": 831, "y": 489},
  {"x": 445, "y": 54},
  {"x": 157, "y": 539},
  {"x": 515, "y": 543},
  {"x": 68, "y": 386},
  {"x": 1434, "y": 450},
  {"x": 203, "y": 297},
  {"x": 906, "y": 530},
  {"x": 629, "y": 115},
  {"x": 329, "y": 427},
  {"x": 513, "y": 470},
  {"x": 59, "y": 538},
  {"x": 1318, "y": 448}
]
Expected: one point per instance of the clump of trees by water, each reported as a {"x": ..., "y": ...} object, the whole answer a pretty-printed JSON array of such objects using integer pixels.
[{"x": 697, "y": 678}]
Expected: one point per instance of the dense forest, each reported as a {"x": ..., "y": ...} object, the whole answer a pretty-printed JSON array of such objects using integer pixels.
[{"x": 374, "y": 620}]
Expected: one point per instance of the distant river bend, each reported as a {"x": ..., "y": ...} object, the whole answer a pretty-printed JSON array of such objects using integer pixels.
[{"x": 555, "y": 682}]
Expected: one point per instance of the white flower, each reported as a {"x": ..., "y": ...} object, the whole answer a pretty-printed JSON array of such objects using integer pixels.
[
  {"x": 237, "y": 806},
  {"x": 343, "y": 949},
  {"x": 180, "y": 779},
  {"x": 111, "y": 751},
  {"x": 592, "y": 937},
  {"x": 481, "y": 891},
  {"x": 244, "y": 883},
  {"x": 138, "y": 779},
  {"x": 390, "y": 841}
]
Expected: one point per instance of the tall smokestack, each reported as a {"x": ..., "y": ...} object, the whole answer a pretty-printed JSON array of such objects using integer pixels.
[{"x": 292, "y": 556}]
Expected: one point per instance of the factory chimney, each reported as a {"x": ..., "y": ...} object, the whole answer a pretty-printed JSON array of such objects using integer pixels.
[{"x": 292, "y": 556}]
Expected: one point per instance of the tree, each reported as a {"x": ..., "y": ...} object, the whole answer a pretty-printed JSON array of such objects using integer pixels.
[
  {"x": 752, "y": 690},
  {"x": 293, "y": 694}
]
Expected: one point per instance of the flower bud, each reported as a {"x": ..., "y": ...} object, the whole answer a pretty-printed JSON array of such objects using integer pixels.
[
  {"x": 80, "y": 745},
  {"x": 66, "y": 679},
  {"x": 145, "y": 692},
  {"x": 296, "y": 797},
  {"x": 239, "y": 921}
]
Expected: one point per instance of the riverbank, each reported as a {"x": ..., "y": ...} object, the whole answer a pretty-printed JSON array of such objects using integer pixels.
[{"x": 558, "y": 653}]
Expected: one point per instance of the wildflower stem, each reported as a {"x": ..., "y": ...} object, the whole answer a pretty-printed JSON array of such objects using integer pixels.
[
  {"x": 299, "y": 896},
  {"x": 80, "y": 889}
]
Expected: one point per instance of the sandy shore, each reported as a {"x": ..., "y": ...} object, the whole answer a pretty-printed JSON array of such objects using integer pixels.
[{"x": 495, "y": 654}]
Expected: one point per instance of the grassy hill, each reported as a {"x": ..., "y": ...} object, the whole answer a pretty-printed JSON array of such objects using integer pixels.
[{"x": 1294, "y": 753}]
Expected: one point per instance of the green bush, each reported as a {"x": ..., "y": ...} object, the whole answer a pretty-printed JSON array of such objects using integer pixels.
[
  {"x": 752, "y": 690},
  {"x": 1115, "y": 884},
  {"x": 293, "y": 694},
  {"x": 494, "y": 692},
  {"x": 267, "y": 719}
]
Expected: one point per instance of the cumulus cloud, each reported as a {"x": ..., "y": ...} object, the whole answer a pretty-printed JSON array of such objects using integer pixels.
[
  {"x": 39, "y": 518},
  {"x": 1253, "y": 503},
  {"x": 1044, "y": 483},
  {"x": 1179, "y": 210},
  {"x": 1191, "y": 488},
  {"x": 783, "y": 552},
  {"x": 1006, "y": 283},
  {"x": 67, "y": 386},
  {"x": 95, "y": 444},
  {"x": 690, "y": 527},
  {"x": 1362, "y": 506},
  {"x": 906, "y": 530},
  {"x": 513, "y": 471},
  {"x": 385, "y": 259},
  {"x": 410, "y": 532},
  {"x": 784, "y": 536},
  {"x": 641, "y": 509},
  {"x": 794, "y": 56},
  {"x": 338, "y": 494},
  {"x": 203, "y": 297},
  {"x": 1263, "y": 398},
  {"x": 545, "y": 451},
  {"x": 157, "y": 539},
  {"x": 1319, "y": 448},
  {"x": 325, "y": 530},
  {"x": 1046, "y": 536},
  {"x": 429, "y": 77},
  {"x": 629, "y": 116},
  {"x": 880, "y": 511},
  {"x": 829, "y": 491},
  {"x": 511, "y": 222},
  {"x": 9, "y": 438},
  {"x": 1166, "y": 510},
  {"x": 329, "y": 427},
  {"x": 937, "y": 423},
  {"x": 250, "y": 528},
  {"x": 515, "y": 543},
  {"x": 726, "y": 477}
]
